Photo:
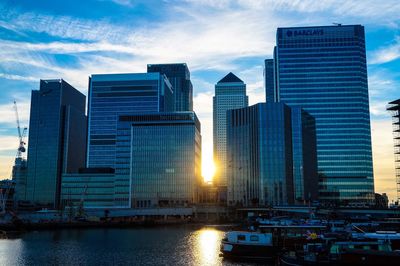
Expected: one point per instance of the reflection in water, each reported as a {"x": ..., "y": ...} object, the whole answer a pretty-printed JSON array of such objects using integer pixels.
[
  {"x": 207, "y": 245},
  {"x": 172, "y": 245}
]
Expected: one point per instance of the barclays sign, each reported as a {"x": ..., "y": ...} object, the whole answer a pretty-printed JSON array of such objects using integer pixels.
[{"x": 305, "y": 32}]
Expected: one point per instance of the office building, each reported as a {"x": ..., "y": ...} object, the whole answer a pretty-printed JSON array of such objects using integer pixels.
[
  {"x": 394, "y": 108},
  {"x": 305, "y": 169},
  {"x": 269, "y": 80},
  {"x": 230, "y": 93},
  {"x": 179, "y": 76},
  {"x": 165, "y": 160},
  {"x": 323, "y": 70},
  {"x": 259, "y": 145},
  {"x": 19, "y": 176},
  {"x": 113, "y": 94},
  {"x": 57, "y": 139},
  {"x": 88, "y": 188}
]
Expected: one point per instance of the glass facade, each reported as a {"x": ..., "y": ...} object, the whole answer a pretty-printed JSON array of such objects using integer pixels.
[
  {"x": 179, "y": 76},
  {"x": 260, "y": 155},
  {"x": 94, "y": 190},
  {"x": 305, "y": 173},
  {"x": 19, "y": 176},
  {"x": 230, "y": 93},
  {"x": 269, "y": 80},
  {"x": 57, "y": 137},
  {"x": 323, "y": 70},
  {"x": 165, "y": 165},
  {"x": 113, "y": 94}
]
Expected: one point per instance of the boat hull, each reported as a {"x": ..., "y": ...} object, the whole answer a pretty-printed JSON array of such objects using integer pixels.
[{"x": 241, "y": 251}]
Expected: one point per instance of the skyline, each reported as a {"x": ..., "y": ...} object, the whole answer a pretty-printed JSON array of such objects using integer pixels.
[{"x": 44, "y": 41}]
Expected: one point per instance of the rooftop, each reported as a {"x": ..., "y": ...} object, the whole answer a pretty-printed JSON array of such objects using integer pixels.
[{"x": 230, "y": 78}]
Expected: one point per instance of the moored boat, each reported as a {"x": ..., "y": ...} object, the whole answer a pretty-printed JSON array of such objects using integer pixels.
[
  {"x": 248, "y": 245},
  {"x": 343, "y": 253}
]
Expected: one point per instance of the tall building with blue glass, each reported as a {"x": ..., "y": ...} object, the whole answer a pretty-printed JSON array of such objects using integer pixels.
[
  {"x": 323, "y": 70},
  {"x": 305, "y": 172},
  {"x": 165, "y": 163},
  {"x": 230, "y": 93},
  {"x": 259, "y": 150},
  {"x": 179, "y": 76},
  {"x": 111, "y": 95},
  {"x": 57, "y": 137}
]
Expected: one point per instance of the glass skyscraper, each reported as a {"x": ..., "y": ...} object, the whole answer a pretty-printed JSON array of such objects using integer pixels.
[
  {"x": 230, "y": 93},
  {"x": 57, "y": 139},
  {"x": 179, "y": 76},
  {"x": 323, "y": 70},
  {"x": 165, "y": 165},
  {"x": 305, "y": 172},
  {"x": 111, "y": 95},
  {"x": 259, "y": 150}
]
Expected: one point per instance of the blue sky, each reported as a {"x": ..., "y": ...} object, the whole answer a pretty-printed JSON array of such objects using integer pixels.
[{"x": 73, "y": 39}]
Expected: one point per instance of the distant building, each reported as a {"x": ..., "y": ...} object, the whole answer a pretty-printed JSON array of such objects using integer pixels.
[
  {"x": 323, "y": 70},
  {"x": 7, "y": 195},
  {"x": 305, "y": 172},
  {"x": 165, "y": 159},
  {"x": 271, "y": 154},
  {"x": 269, "y": 81},
  {"x": 179, "y": 76},
  {"x": 57, "y": 140},
  {"x": 19, "y": 176},
  {"x": 230, "y": 93},
  {"x": 259, "y": 145},
  {"x": 381, "y": 201},
  {"x": 394, "y": 108},
  {"x": 111, "y": 95},
  {"x": 90, "y": 188}
]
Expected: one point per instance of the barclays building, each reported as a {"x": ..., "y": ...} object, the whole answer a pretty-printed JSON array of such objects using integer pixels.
[{"x": 323, "y": 70}]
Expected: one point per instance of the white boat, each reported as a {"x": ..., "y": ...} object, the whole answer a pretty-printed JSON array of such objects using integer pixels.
[{"x": 248, "y": 245}]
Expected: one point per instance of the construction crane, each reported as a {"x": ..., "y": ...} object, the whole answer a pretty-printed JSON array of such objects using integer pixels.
[{"x": 21, "y": 135}]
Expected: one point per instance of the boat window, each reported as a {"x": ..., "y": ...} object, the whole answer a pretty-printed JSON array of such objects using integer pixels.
[
  {"x": 335, "y": 249},
  {"x": 241, "y": 237},
  {"x": 384, "y": 248},
  {"x": 253, "y": 238}
]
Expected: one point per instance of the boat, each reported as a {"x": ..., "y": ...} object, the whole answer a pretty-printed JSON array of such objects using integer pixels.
[
  {"x": 248, "y": 245},
  {"x": 391, "y": 236},
  {"x": 312, "y": 254},
  {"x": 343, "y": 253},
  {"x": 363, "y": 253}
]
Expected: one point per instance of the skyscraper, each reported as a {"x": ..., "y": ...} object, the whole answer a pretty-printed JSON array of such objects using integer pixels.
[
  {"x": 269, "y": 80},
  {"x": 305, "y": 172},
  {"x": 323, "y": 70},
  {"x": 179, "y": 76},
  {"x": 57, "y": 139},
  {"x": 394, "y": 108},
  {"x": 111, "y": 95},
  {"x": 259, "y": 150},
  {"x": 19, "y": 176},
  {"x": 230, "y": 93},
  {"x": 166, "y": 158}
]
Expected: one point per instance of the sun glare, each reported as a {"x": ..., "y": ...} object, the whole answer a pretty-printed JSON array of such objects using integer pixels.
[{"x": 208, "y": 169}]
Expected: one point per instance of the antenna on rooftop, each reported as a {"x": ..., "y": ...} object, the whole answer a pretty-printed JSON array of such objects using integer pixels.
[{"x": 337, "y": 24}]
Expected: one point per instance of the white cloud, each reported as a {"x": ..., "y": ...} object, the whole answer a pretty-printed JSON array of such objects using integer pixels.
[
  {"x": 9, "y": 143},
  {"x": 7, "y": 112},
  {"x": 17, "y": 77},
  {"x": 386, "y": 54}
]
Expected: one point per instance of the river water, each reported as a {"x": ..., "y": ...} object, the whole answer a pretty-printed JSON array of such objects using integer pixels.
[{"x": 170, "y": 245}]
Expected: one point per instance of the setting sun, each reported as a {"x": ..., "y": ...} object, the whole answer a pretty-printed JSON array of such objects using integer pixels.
[{"x": 208, "y": 168}]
